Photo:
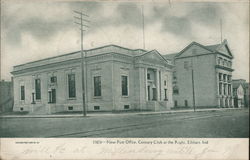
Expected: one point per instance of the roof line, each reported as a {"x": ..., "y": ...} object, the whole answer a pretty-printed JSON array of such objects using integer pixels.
[
  {"x": 192, "y": 43},
  {"x": 152, "y": 51},
  {"x": 79, "y": 51}
]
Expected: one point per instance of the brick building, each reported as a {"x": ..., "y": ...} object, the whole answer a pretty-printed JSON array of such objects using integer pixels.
[{"x": 210, "y": 85}]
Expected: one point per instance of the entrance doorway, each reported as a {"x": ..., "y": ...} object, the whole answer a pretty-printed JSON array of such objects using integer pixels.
[
  {"x": 53, "y": 96},
  {"x": 149, "y": 93},
  {"x": 154, "y": 94}
]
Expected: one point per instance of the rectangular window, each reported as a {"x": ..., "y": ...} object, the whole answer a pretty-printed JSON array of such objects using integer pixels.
[
  {"x": 126, "y": 106},
  {"x": 53, "y": 96},
  {"x": 149, "y": 93},
  {"x": 174, "y": 75},
  {"x": 225, "y": 89},
  {"x": 96, "y": 107},
  {"x": 165, "y": 83},
  {"x": 220, "y": 88},
  {"x": 154, "y": 94},
  {"x": 175, "y": 90},
  {"x": 22, "y": 93},
  {"x": 220, "y": 76},
  {"x": 148, "y": 76},
  {"x": 229, "y": 89},
  {"x": 175, "y": 103},
  {"x": 186, "y": 103},
  {"x": 165, "y": 95},
  {"x": 97, "y": 86},
  {"x": 53, "y": 79},
  {"x": 70, "y": 108},
  {"x": 72, "y": 86},
  {"x": 38, "y": 89},
  {"x": 124, "y": 85},
  {"x": 224, "y": 77}
]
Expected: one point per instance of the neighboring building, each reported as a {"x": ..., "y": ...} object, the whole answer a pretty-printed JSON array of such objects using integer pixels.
[
  {"x": 6, "y": 96},
  {"x": 212, "y": 73},
  {"x": 246, "y": 94},
  {"x": 241, "y": 93},
  {"x": 117, "y": 79}
]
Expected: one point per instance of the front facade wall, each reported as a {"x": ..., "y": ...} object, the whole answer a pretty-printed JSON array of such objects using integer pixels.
[
  {"x": 109, "y": 71},
  {"x": 224, "y": 81}
]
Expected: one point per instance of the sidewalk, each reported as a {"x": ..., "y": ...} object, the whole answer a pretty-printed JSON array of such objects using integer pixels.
[{"x": 115, "y": 114}]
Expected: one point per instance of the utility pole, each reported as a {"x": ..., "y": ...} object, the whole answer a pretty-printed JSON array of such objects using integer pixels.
[
  {"x": 143, "y": 29},
  {"x": 83, "y": 58},
  {"x": 220, "y": 30},
  {"x": 192, "y": 72}
]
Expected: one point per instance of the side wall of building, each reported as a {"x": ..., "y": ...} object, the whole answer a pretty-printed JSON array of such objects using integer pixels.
[{"x": 204, "y": 81}]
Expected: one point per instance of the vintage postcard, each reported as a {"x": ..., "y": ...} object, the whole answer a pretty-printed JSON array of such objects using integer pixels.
[{"x": 120, "y": 79}]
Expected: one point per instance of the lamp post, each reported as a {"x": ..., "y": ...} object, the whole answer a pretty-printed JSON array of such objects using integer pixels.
[{"x": 33, "y": 97}]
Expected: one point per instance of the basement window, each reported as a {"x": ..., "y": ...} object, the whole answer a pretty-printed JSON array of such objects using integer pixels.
[
  {"x": 96, "y": 107},
  {"x": 126, "y": 106},
  {"x": 70, "y": 108}
]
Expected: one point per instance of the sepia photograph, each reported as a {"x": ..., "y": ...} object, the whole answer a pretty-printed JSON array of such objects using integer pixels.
[{"x": 141, "y": 75}]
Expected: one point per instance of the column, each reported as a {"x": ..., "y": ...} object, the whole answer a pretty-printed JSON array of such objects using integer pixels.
[
  {"x": 141, "y": 86},
  {"x": 146, "y": 83},
  {"x": 232, "y": 97},
  {"x": 157, "y": 85},
  {"x": 218, "y": 84},
  {"x": 222, "y": 88}
]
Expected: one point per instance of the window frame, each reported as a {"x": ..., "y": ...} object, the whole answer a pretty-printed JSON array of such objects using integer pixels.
[
  {"x": 68, "y": 86},
  {"x": 124, "y": 75},
  {"x": 148, "y": 76},
  {"x": 165, "y": 94},
  {"x": 175, "y": 90},
  {"x": 220, "y": 88},
  {"x": 22, "y": 93},
  {"x": 94, "y": 89},
  {"x": 53, "y": 79},
  {"x": 40, "y": 92}
]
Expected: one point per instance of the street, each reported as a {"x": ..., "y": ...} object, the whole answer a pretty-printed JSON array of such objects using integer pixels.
[{"x": 207, "y": 124}]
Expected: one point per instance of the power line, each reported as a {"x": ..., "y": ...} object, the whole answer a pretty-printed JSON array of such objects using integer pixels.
[
  {"x": 143, "y": 29},
  {"x": 83, "y": 58},
  {"x": 220, "y": 30}
]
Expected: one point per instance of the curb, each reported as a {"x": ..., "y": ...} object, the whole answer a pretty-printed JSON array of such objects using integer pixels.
[{"x": 110, "y": 114}]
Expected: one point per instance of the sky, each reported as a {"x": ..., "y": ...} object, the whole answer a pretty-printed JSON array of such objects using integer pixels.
[{"x": 32, "y": 30}]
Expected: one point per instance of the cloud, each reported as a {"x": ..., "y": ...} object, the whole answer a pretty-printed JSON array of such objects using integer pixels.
[
  {"x": 46, "y": 28},
  {"x": 177, "y": 25},
  {"x": 205, "y": 13}
]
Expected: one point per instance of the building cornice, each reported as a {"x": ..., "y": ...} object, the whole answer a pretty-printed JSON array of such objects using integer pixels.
[{"x": 224, "y": 68}]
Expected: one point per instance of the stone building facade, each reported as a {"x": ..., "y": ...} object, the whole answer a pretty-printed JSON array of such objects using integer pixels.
[
  {"x": 117, "y": 79},
  {"x": 212, "y": 76}
]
